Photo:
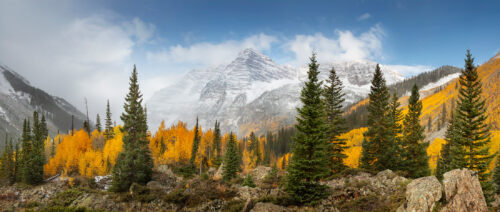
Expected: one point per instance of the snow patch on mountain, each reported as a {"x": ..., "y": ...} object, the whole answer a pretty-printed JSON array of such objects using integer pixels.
[{"x": 440, "y": 82}]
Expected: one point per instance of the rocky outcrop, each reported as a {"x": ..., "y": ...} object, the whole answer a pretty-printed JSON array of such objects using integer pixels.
[
  {"x": 259, "y": 173},
  {"x": 422, "y": 194},
  {"x": 463, "y": 191},
  {"x": 218, "y": 173},
  {"x": 269, "y": 207}
]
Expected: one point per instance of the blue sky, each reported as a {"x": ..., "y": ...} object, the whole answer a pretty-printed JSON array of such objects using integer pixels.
[
  {"x": 417, "y": 32},
  {"x": 76, "y": 49}
]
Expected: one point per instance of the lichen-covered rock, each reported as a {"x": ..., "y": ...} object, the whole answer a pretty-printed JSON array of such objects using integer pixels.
[
  {"x": 259, "y": 173},
  {"x": 463, "y": 191},
  {"x": 218, "y": 173},
  {"x": 422, "y": 194},
  {"x": 268, "y": 207}
]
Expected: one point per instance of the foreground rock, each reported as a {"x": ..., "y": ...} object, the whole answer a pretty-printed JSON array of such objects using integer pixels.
[
  {"x": 463, "y": 191},
  {"x": 269, "y": 207},
  {"x": 422, "y": 194}
]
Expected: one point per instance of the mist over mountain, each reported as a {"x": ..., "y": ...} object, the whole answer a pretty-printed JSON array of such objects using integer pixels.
[{"x": 252, "y": 93}]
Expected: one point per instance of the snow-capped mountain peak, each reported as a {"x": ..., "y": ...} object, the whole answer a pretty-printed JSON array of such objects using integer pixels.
[{"x": 252, "y": 89}]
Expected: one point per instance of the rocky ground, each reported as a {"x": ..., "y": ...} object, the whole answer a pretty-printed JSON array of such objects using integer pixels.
[{"x": 352, "y": 190}]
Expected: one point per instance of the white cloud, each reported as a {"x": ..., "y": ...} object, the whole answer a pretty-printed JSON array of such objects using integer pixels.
[
  {"x": 364, "y": 16},
  {"x": 72, "y": 56},
  {"x": 344, "y": 46},
  {"x": 209, "y": 54}
]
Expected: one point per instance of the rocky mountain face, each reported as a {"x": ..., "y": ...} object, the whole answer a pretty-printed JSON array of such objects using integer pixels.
[
  {"x": 18, "y": 100},
  {"x": 252, "y": 93}
]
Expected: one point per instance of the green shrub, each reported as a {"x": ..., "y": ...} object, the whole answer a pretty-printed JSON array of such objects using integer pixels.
[
  {"x": 248, "y": 182},
  {"x": 176, "y": 196},
  {"x": 65, "y": 198}
]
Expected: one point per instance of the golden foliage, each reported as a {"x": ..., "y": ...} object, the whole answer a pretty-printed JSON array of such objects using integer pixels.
[{"x": 353, "y": 138}]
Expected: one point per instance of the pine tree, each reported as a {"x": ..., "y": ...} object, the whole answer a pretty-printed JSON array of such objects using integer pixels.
[
  {"x": 378, "y": 143},
  {"x": 98, "y": 126},
  {"x": 395, "y": 130},
  {"x": 496, "y": 176},
  {"x": 86, "y": 127},
  {"x": 248, "y": 181},
  {"x": 72, "y": 124},
  {"x": 217, "y": 145},
  {"x": 27, "y": 155},
  {"x": 310, "y": 158},
  {"x": 39, "y": 133},
  {"x": 415, "y": 154},
  {"x": 134, "y": 163},
  {"x": 108, "y": 128},
  {"x": 446, "y": 157},
  {"x": 473, "y": 136},
  {"x": 7, "y": 162},
  {"x": 254, "y": 148},
  {"x": 196, "y": 143},
  {"x": 231, "y": 159},
  {"x": 267, "y": 148},
  {"x": 334, "y": 98}
]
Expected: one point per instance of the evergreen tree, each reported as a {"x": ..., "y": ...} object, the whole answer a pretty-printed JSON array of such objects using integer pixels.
[
  {"x": 415, "y": 154},
  {"x": 334, "y": 98},
  {"x": 108, "y": 128},
  {"x": 378, "y": 143},
  {"x": 248, "y": 181},
  {"x": 254, "y": 148},
  {"x": 231, "y": 159},
  {"x": 442, "y": 117},
  {"x": 473, "y": 136},
  {"x": 196, "y": 143},
  {"x": 267, "y": 148},
  {"x": 7, "y": 162},
  {"x": 26, "y": 159},
  {"x": 39, "y": 133},
  {"x": 446, "y": 157},
  {"x": 217, "y": 145},
  {"x": 86, "y": 127},
  {"x": 395, "y": 130},
  {"x": 72, "y": 124},
  {"x": 134, "y": 163},
  {"x": 98, "y": 126},
  {"x": 496, "y": 176},
  {"x": 310, "y": 158}
]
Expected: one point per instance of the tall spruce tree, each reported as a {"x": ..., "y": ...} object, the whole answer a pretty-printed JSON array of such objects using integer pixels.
[
  {"x": 134, "y": 163},
  {"x": 196, "y": 143},
  {"x": 415, "y": 154},
  {"x": 39, "y": 134},
  {"x": 98, "y": 126},
  {"x": 446, "y": 157},
  {"x": 496, "y": 176},
  {"x": 310, "y": 158},
  {"x": 378, "y": 142},
  {"x": 217, "y": 148},
  {"x": 108, "y": 128},
  {"x": 473, "y": 136},
  {"x": 7, "y": 166},
  {"x": 395, "y": 130},
  {"x": 334, "y": 98},
  {"x": 254, "y": 148},
  {"x": 442, "y": 117},
  {"x": 231, "y": 159}
]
